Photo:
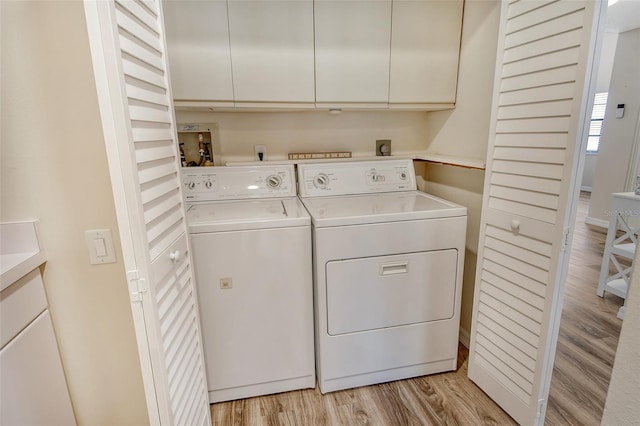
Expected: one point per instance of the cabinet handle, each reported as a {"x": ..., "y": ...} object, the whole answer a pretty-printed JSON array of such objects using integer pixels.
[
  {"x": 394, "y": 268},
  {"x": 175, "y": 256},
  {"x": 515, "y": 226}
]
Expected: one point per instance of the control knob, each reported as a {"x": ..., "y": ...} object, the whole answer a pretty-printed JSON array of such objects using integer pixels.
[
  {"x": 208, "y": 184},
  {"x": 274, "y": 181},
  {"x": 321, "y": 181},
  {"x": 191, "y": 184},
  {"x": 376, "y": 177}
]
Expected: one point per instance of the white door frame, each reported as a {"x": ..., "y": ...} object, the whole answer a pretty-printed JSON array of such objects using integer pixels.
[{"x": 574, "y": 198}]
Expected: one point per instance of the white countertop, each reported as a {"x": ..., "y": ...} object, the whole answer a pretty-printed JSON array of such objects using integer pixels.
[
  {"x": 628, "y": 195},
  {"x": 20, "y": 251}
]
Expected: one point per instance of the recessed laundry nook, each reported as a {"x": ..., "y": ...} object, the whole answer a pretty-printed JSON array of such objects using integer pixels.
[{"x": 323, "y": 212}]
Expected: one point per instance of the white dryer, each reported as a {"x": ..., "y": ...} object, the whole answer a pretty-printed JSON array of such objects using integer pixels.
[
  {"x": 251, "y": 248},
  {"x": 388, "y": 263}
]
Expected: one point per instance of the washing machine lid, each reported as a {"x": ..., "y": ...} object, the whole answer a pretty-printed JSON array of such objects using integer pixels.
[
  {"x": 375, "y": 208},
  {"x": 222, "y": 216}
]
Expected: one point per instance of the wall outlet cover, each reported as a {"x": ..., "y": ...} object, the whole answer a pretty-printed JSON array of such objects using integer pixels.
[
  {"x": 260, "y": 152},
  {"x": 383, "y": 147}
]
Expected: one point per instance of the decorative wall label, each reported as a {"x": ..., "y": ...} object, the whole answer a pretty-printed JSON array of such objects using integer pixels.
[{"x": 318, "y": 155}]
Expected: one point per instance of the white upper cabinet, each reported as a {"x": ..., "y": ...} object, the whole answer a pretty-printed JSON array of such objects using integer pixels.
[
  {"x": 425, "y": 48},
  {"x": 272, "y": 50},
  {"x": 322, "y": 53},
  {"x": 352, "y": 40},
  {"x": 198, "y": 50}
]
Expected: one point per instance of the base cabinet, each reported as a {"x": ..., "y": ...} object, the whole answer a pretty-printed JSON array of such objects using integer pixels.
[{"x": 33, "y": 388}]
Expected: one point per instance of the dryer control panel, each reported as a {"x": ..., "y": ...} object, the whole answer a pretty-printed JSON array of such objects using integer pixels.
[
  {"x": 359, "y": 177},
  {"x": 238, "y": 182}
]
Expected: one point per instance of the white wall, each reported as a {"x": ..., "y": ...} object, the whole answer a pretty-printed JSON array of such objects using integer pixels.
[
  {"x": 605, "y": 67},
  {"x": 54, "y": 168},
  {"x": 311, "y": 131},
  {"x": 617, "y": 138},
  {"x": 590, "y": 162},
  {"x": 464, "y": 132},
  {"x": 607, "y": 56}
]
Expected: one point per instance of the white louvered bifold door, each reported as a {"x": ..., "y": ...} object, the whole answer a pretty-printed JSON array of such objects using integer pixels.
[
  {"x": 544, "y": 54},
  {"x": 130, "y": 67}
]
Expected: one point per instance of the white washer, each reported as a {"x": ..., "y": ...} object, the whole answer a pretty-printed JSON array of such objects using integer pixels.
[
  {"x": 251, "y": 244},
  {"x": 388, "y": 263}
]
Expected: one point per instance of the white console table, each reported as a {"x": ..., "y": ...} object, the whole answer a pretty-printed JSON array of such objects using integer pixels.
[{"x": 625, "y": 217}]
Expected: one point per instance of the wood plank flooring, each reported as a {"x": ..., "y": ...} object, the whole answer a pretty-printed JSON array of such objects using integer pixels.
[
  {"x": 589, "y": 331},
  {"x": 439, "y": 399},
  {"x": 588, "y": 338}
]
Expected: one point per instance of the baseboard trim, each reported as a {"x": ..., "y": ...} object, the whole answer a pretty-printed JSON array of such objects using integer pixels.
[
  {"x": 596, "y": 222},
  {"x": 464, "y": 337}
]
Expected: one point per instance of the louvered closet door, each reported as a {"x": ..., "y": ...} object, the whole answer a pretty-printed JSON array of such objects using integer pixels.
[
  {"x": 543, "y": 57},
  {"x": 130, "y": 67}
]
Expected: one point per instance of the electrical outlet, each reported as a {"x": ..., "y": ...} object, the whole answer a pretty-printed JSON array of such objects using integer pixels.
[{"x": 258, "y": 150}]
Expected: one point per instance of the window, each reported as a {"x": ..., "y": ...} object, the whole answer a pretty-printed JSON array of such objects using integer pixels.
[{"x": 597, "y": 116}]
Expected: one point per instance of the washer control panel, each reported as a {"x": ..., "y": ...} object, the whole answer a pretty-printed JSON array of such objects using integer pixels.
[
  {"x": 237, "y": 182},
  {"x": 362, "y": 177}
]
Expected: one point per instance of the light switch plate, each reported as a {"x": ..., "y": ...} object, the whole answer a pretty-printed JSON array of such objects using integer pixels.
[{"x": 100, "y": 245}]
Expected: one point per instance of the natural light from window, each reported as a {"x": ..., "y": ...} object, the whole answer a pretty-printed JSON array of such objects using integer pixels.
[{"x": 597, "y": 116}]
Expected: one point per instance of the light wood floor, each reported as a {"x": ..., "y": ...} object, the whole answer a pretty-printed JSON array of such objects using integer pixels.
[
  {"x": 588, "y": 337},
  {"x": 589, "y": 331},
  {"x": 439, "y": 399}
]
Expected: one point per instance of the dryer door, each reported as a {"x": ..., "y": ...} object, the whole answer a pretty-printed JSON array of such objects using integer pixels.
[{"x": 387, "y": 291}]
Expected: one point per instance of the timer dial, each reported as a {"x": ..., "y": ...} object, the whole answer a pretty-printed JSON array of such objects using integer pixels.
[
  {"x": 321, "y": 181},
  {"x": 274, "y": 181}
]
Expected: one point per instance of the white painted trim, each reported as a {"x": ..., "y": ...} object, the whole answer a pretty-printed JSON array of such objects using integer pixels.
[
  {"x": 586, "y": 188},
  {"x": 600, "y": 223},
  {"x": 633, "y": 169},
  {"x": 594, "y": 46}
]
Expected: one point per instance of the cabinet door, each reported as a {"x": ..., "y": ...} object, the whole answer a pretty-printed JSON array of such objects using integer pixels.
[
  {"x": 352, "y": 40},
  {"x": 425, "y": 47},
  {"x": 33, "y": 388},
  {"x": 198, "y": 50},
  {"x": 272, "y": 50}
]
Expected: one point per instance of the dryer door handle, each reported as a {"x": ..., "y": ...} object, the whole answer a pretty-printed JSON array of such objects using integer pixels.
[{"x": 394, "y": 268}]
